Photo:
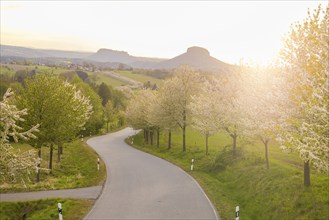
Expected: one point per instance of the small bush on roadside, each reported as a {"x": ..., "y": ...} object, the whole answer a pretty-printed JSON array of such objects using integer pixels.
[{"x": 226, "y": 158}]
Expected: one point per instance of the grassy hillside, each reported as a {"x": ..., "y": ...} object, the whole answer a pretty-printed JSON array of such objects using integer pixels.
[
  {"x": 277, "y": 193},
  {"x": 45, "y": 209},
  {"x": 78, "y": 168}
]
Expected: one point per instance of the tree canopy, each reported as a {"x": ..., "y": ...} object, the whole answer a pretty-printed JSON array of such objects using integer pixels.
[
  {"x": 306, "y": 55},
  {"x": 59, "y": 108}
]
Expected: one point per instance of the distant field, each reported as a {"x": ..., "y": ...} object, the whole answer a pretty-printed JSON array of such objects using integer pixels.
[
  {"x": 38, "y": 68},
  {"x": 140, "y": 77},
  {"x": 277, "y": 193},
  {"x": 7, "y": 72},
  {"x": 101, "y": 76}
]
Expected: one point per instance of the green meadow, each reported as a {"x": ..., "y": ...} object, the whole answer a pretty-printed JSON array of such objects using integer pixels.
[
  {"x": 139, "y": 77},
  {"x": 103, "y": 77}
]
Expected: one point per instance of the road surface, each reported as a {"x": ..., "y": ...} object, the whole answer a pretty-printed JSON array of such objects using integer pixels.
[
  {"x": 79, "y": 193},
  {"x": 141, "y": 186}
]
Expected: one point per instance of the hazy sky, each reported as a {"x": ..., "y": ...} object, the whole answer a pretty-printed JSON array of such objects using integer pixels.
[{"x": 230, "y": 30}]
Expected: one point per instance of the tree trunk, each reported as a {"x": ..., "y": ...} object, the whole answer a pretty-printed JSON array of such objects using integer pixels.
[
  {"x": 151, "y": 136},
  {"x": 38, "y": 165},
  {"x": 184, "y": 130},
  {"x": 207, "y": 136},
  {"x": 307, "y": 177},
  {"x": 234, "y": 137},
  {"x": 51, "y": 157},
  {"x": 266, "y": 154},
  {"x": 184, "y": 138},
  {"x": 107, "y": 127},
  {"x": 58, "y": 154},
  {"x": 169, "y": 139},
  {"x": 158, "y": 137},
  {"x": 146, "y": 136}
]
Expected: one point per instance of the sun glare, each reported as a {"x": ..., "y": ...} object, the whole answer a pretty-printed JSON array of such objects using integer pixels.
[{"x": 231, "y": 31}]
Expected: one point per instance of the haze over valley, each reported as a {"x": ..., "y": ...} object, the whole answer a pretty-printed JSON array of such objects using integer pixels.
[{"x": 196, "y": 57}]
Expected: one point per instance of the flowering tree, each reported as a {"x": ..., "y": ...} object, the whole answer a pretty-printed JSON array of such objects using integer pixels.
[
  {"x": 75, "y": 110},
  {"x": 138, "y": 111},
  {"x": 263, "y": 102},
  {"x": 110, "y": 114},
  {"x": 153, "y": 118},
  {"x": 228, "y": 106},
  {"x": 96, "y": 119},
  {"x": 162, "y": 112},
  {"x": 14, "y": 165},
  {"x": 176, "y": 94},
  {"x": 206, "y": 117},
  {"x": 57, "y": 106},
  {"x": 306, "y": 55}
]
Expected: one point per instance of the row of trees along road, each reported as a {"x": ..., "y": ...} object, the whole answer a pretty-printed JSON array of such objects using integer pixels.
[
  {"x": 61, "y": 107},
  {"x": 99, "y": 95},
  {"x": 58, "y": 107},
  {"x": 288, "y": 103},
  {"x": 306, "y": 55}
]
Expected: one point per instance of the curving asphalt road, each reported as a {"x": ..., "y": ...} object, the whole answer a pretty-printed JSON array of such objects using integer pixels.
[
  {"x": 78, "y": 193},
  {"x": 141, "y": 186}
]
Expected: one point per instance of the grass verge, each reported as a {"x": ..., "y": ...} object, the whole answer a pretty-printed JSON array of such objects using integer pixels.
[
  {"x": 45, "y": 209},
  {"x": 77, "y": 168},
  {"x": 277, "y": 193}
]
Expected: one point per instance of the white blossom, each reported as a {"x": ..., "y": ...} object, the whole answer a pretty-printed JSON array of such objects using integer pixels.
[{"x": 14, "y": 165}]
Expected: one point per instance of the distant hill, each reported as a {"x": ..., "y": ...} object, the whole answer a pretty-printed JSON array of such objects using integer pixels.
[
  {"x": 199, "y": 58},
  {"x": 13, "y": 51},
  {"x": 67, "y": 54},
  {"x": 108, "y": 55},
  {"x": 196, "y": 57}
]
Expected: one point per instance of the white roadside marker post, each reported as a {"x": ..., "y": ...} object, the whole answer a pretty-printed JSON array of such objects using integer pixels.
[
  {"x": 60, "y": 214},
  {"x": 97, "y": 163},
  {"x": 132, "y": 140},
  {"x": 82, "y": 137},
  {"x": 237, "y": 213},
  {"x": 192, "y": 165}
]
